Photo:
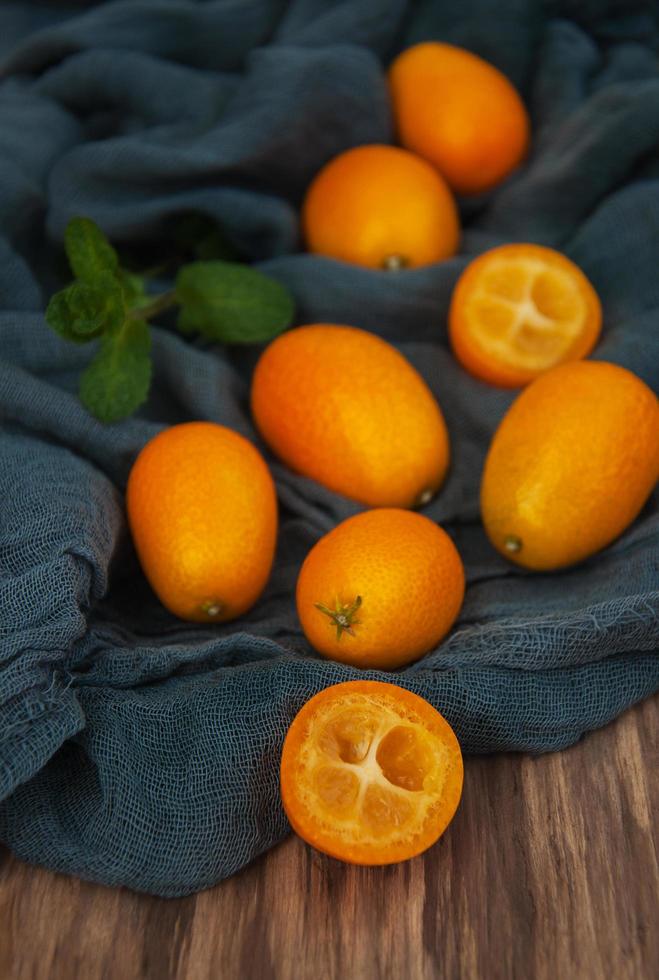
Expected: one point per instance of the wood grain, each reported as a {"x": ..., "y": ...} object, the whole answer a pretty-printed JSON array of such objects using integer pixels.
[{"x": 548, "y": 871}]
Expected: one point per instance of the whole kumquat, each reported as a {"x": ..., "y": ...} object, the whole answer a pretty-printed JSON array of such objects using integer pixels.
[
  {"x": 382, "y": 207},
  {"x": 460, "y": 113},
  {"x": 344, "y": 407},
  {"x": 570, "y": 466},
  {"x": 203, "y": 515},
  {"x": 380, "y": 589}
]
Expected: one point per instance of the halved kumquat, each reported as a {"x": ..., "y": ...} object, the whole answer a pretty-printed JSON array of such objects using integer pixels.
[
  {"x": 520, "y": 309},
  {"x": 370, "y": 773}
]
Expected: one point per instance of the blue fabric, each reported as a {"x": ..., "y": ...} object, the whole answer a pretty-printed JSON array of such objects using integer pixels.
[{"x": 140, "y": 750}]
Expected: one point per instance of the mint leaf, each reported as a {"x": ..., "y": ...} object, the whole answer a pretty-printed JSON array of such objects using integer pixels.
[
  {"x": 134, "y": 290},
  {"x": 85, "y": 310},
  {"x": 88, "y": 250},
  {"x": 231, "y": 303},
  {"x": 117, "y": 380}
]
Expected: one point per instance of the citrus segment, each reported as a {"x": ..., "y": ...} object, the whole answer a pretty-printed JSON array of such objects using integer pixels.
[
  {"x": 370, "y": 773},
  {"x": 519, "y": 310}
]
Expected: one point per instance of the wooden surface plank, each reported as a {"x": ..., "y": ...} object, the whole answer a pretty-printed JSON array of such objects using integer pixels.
[{"x": 548, "y": 871}]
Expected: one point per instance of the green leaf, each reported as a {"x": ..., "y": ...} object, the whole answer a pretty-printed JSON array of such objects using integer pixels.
[
  {"x": 117, "y": 380},
  {"x": 85, "y": 310},
  {"x": 134, "y": 289},
  {"x": 231, "y": 303},
  {"x": 88, "y": 250}
]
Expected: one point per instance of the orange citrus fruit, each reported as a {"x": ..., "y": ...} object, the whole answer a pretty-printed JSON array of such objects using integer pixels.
[
  {"x": 370, "y": 773},
  {"x": 460, "y": 113},
  {"x": 520, "y": 309},
  {"x": 571, "y": 464},
  {"x": 380, "y": 589},
  {"x": 202, "y": 511},
  {"x": 380, "y": 206},
  {"x": 343, "y": 407}
]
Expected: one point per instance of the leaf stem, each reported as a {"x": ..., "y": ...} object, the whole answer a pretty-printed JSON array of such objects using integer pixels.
[{"x": 157, "y": 305}]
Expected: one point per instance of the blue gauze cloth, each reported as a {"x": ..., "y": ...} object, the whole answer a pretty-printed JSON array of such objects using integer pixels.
[{"x": 137, "y": 749}]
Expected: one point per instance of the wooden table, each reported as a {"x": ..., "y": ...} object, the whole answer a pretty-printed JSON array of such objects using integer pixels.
[{"x": 549, "y": 870}]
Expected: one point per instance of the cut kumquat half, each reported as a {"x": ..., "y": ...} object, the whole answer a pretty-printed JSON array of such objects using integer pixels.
[
  {"x": 370, "y": 773},
  {"x": 520, "y": 309}
]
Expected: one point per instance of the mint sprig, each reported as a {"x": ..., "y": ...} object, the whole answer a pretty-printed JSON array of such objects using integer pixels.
[{"x": 225, "y": 302}]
